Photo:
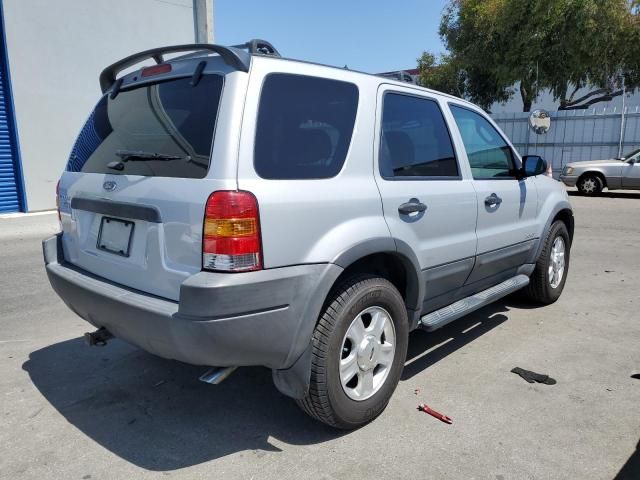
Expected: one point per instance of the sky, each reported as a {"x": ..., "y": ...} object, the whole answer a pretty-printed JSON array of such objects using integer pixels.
[{"x": 372, "y": 36}]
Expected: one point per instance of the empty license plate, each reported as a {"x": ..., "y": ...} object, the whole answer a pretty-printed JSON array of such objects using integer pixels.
[{"x": 115, "y": 236}]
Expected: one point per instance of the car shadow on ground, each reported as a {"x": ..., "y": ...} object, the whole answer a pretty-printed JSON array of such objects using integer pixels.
[
  {"x": 428, "y": 348},
  {"x": 155, "y": 414},
  {"x": 631, "y": 469},
  {"x": 608, "y": 194}
]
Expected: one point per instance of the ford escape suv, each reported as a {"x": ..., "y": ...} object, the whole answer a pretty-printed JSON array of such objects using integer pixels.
[{"x": 228, "y": 207}]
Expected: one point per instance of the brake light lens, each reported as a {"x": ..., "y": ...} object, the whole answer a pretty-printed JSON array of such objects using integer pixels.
[
  {"x": 156, "y": 70},
  {"x": 231, "y": 234}
]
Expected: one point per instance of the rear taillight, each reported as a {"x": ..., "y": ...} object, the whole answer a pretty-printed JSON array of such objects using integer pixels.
[
  {"x": 58, "y": 200},
  {"x": 231, "y": 237}
]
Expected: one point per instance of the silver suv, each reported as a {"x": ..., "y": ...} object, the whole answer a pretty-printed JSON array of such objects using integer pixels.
[{"x": 230, "y": 207}]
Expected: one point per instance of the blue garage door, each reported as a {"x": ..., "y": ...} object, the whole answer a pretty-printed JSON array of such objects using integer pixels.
[{"x": 10, "y": 178}]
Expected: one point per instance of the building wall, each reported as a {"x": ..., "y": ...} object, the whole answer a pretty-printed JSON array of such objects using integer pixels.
[{"x": 56, "y": 50}]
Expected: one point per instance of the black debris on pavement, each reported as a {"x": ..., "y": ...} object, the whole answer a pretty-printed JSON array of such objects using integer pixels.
[
  {"x": 533, "y": 377},
  {"x": 636, "y": 376}
]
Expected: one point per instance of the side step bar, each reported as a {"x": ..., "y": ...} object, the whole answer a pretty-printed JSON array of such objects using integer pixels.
[{"x": 440, "y": 318}]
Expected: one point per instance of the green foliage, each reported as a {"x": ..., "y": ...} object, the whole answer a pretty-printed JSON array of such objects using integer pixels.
[{"x": 563, "y": 44}]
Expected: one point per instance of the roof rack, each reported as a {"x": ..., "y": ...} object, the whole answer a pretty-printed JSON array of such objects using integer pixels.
[
  {"x": 233, "y": 56},
  {"x": 257, "y": 46}
]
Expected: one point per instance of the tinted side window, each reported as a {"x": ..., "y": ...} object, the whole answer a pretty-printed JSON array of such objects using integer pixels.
[
  {"x": 304, "y": 126},
  {"x": 488, "y": 153},
  {"x": 415, "y": 140}
]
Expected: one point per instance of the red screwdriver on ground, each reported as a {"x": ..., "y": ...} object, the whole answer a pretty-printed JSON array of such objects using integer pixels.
[{"x": 443, "y": 418}]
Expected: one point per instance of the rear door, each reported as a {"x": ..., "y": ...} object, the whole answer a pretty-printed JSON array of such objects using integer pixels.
[
  {"x": 139, "y": 175},
  {"x": 507, "y": 207},
  {"x": 428, "y": 202}
]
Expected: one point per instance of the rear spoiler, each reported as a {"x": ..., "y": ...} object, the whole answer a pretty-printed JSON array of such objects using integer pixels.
[{"x": 233, "y": 56}]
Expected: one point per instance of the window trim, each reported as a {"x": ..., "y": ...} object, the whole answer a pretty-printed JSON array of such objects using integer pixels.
[
  {"x": 514, "y": 155},
  {"x": 257, "y": 122},
  {"x": 444, "y": 119}
]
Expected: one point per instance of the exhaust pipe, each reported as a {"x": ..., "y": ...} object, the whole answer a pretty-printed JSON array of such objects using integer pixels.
[
  {"x": 216, "y": 375},
  {"x": 98, "y": 338}
]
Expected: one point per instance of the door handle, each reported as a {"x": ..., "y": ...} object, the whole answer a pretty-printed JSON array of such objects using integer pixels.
[
  {"x": 492, "y": 200},
  {"x": 412, "y": 207}
]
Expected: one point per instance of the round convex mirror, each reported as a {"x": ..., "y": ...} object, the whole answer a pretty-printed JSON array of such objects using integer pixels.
[{"x": 540, "y": 121}]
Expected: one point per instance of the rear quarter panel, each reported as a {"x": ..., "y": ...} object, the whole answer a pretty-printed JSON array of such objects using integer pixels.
[{"x": 313, "y": 221}]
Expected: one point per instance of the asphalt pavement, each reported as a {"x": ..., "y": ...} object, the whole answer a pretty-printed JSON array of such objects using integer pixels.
[{"x": 70, "y": 411}]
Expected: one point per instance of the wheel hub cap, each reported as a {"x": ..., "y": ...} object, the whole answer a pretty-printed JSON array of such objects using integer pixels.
[
  {"x": 589, "y": 185},
  {"x": 556, "y": 262},
  {"x": 368, "y": 353},
  {"x": 368, "y": 349}
]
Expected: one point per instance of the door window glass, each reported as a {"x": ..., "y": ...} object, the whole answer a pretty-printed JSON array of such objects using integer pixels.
[
  {"x": 415, "y": 140},
  {"x": 489, "y": 155}
]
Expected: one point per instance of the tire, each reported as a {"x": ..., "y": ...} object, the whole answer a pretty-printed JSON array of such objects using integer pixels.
[
  {"x": 544, "y": 288},
  {"x": 590, "y": 185},
  {"x": 359, "y": 298}
]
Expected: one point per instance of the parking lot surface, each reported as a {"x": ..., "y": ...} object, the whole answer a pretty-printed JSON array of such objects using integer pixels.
[{"x": 76, "y": 412}]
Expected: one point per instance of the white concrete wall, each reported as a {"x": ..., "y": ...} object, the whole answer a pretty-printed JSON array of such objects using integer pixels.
[{"x": 57, "y": 49}]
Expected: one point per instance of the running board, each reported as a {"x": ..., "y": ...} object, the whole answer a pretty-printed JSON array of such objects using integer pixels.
[{"x": 440, "y": 318}]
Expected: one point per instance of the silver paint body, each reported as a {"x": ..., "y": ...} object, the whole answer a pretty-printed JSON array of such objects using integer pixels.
[{"x": 317, "y": 221}]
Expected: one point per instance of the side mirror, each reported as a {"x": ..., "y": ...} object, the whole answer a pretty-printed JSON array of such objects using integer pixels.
[
  {"x": 633, "y": 161},
  {"x": 533, "y": 165}
]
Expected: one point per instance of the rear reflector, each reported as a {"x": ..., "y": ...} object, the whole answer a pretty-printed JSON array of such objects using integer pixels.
[
  {"x": 156, "y": 70},
  {"x": 231, "y": 234},
  {"x": 58, "y": 200}
]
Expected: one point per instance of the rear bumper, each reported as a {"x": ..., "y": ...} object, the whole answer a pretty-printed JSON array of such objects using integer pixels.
[
  {"x": 569, "y": 181},
  {"x": 256, "y": 318}
]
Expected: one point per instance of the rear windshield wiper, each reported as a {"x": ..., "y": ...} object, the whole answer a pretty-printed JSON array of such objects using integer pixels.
[
  {"x": 142, "y": 156},
  {"x": 139, "y": 155}
]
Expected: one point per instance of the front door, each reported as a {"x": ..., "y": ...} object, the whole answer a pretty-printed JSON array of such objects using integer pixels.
[
  {"x": 631, "y": 173},
  {"x": 507, "y": 206},
  {"x": 427, "y": 202}
]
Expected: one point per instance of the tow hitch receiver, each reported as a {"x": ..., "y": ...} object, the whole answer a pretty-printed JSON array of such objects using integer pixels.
[{"x": 99, "y": 337}]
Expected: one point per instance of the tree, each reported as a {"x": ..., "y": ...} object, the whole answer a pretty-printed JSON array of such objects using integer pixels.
[{"x": 562, "y": 45}]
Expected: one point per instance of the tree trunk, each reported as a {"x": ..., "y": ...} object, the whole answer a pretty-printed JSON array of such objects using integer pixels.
[{"x": 527, "y": 97}]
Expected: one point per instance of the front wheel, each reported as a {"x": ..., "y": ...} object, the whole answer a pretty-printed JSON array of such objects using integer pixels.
[
  {"x": 359, "y": 349},
  {"x": 548, "y": 279},
  {"x": 590, "y": 185}
]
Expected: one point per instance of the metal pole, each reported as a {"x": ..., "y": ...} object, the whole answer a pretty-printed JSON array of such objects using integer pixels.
[
  {"x": 203, "y": 21},
  {"x": 622, "y": 120}
]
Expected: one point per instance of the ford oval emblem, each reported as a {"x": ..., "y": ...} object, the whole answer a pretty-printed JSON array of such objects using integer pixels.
[{"x": 109, "y": 186}]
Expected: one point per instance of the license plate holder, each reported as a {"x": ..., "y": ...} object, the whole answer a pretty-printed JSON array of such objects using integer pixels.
[{"x": 115, "y": 236}]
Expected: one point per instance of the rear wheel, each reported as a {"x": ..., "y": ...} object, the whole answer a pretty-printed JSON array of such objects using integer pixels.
[
  {"x": 548, "y": 279},
  {"x": 359, "y": 349},
  {"x": 590, "y": 185}
]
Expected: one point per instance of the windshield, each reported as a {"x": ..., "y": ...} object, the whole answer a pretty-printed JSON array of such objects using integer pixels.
[
  {"x": 631, "y": 154},
  {"x": 167, "y": 129}
]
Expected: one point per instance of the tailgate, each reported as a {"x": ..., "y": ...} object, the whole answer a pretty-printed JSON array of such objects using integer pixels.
[{"x": 134, "y": 193}]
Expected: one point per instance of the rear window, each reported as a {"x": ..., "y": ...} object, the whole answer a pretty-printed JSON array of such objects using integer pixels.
[
  {"x": 304, "y": 126},
  {"x": 162, "y": 130}
]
